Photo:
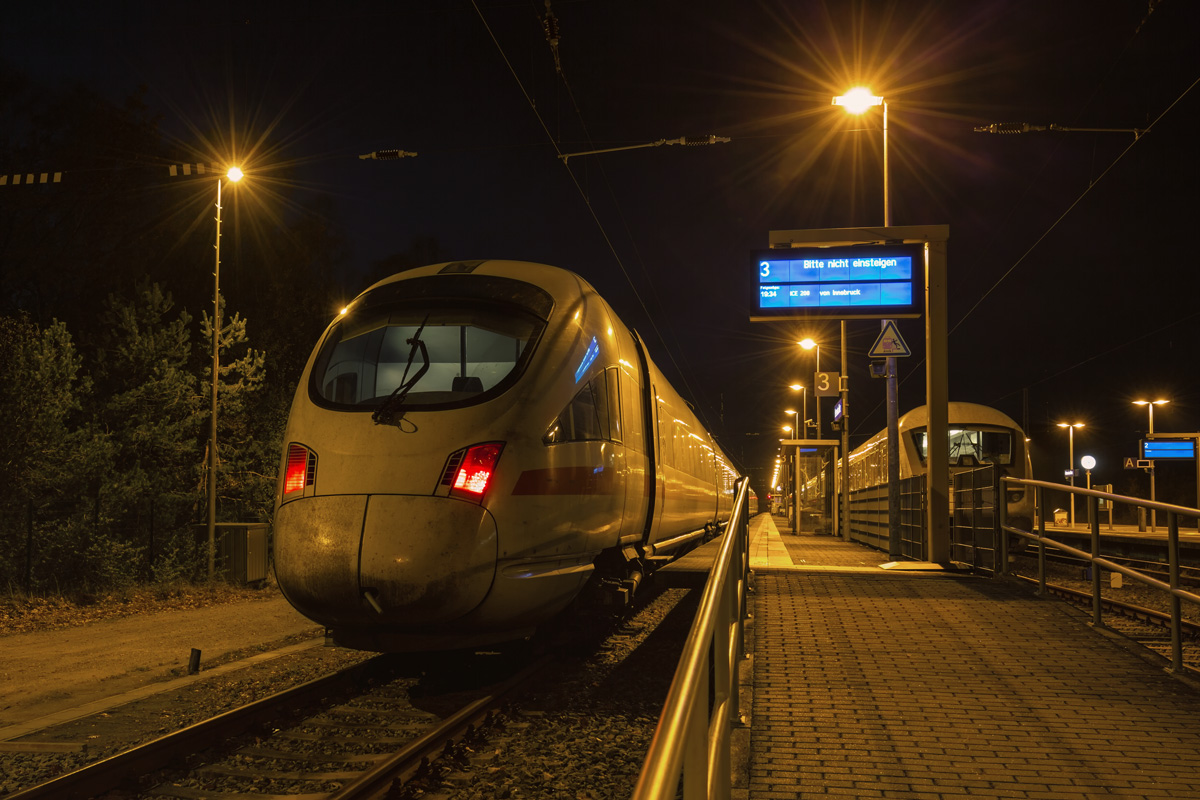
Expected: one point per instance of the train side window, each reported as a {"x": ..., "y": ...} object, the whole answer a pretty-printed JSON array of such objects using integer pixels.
[
  {"x": 921, "y": 444},
  {"x": 614, "y": 403},
  {"x": 586, "y": 417}
]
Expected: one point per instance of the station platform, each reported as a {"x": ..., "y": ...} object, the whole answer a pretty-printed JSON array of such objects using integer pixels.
[{"x": 925, "y": 684}]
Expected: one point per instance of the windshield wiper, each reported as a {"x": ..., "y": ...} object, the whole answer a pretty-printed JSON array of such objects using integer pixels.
[{"x": 386, "y": 413}]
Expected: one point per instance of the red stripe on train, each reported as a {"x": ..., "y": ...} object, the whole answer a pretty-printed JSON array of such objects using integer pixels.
[{"x": 566, "y": 480}]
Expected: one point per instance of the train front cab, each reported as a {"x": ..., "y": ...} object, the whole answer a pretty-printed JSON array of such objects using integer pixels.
[
  {"x": 978, "y": 435},
  {"x": 479, "y": 508}
]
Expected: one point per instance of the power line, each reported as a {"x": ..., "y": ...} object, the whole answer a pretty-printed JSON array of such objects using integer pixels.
[{"x": 586, "y": 200}]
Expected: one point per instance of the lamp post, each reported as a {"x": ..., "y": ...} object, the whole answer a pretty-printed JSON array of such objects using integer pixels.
[
  {"x": 1071, "y": 454},
  {"x": 795, "y": 387},
  {"x": 234, "y": 175},
  {"x": 857, "y": 101},
  {"x": 1150, "y": 404},
  {"x": 809, "y": 344}
]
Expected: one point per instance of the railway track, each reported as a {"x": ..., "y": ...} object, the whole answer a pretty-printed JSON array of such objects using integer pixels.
[
  {"x": 347, "y": 736},
  {"x": 1189, "y": 574},
  {"x": 384, "y": 728},
  {"x": 1130, "y": 610}
]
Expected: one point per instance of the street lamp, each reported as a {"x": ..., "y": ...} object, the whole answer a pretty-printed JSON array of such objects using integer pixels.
[
  {"x": 858, "y": 101},
  {"x": 1150, "y": 404},
  {"x": 234, "y": 175},
  {"x": 809, "y": 344},
  {"x": 795, "y": 387},
  {"x": 1071, "y": 454}
]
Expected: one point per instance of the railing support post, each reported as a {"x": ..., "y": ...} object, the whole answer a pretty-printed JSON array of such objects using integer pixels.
[
  {"x": 1041, "y": 526},
  {"x": 1173, "y": 579},
  {"x": 1002, "y": 514},
  {"x": 1094, "y": 524}
]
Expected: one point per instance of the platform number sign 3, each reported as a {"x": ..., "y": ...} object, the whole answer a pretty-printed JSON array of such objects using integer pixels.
[{"x": 825, "y": 384}]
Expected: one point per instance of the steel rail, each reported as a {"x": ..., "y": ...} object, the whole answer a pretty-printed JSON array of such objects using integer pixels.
[
  {"x": 108, "y": 774},
  {"x": 1150, "y": 616},
  {"x": 378, "y": 780}
]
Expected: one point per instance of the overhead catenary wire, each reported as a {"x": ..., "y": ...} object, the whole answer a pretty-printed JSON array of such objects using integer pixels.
[
  {"x": 554, "y": 42},
  {"x": 1091, "y": 185}
]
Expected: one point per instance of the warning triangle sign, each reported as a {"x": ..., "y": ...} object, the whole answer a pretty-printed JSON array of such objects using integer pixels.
[{"x": 889, "y": 344}]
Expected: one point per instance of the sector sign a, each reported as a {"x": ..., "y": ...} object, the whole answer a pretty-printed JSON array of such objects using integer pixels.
[{"x": 851, "y": 282}]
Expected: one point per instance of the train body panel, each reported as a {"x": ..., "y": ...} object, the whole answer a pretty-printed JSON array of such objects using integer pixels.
[{"x": 467, "y": 441}]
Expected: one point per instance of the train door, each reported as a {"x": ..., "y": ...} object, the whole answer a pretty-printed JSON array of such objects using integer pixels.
[
  {"x": 658, "y": 478},
  {"x": 627, "y": 394}
]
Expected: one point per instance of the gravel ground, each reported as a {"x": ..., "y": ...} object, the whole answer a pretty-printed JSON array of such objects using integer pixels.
[
  {"x": 1152, "y": 637},
  {"x": 584, "y": 736},
  {"x": 105, "y": 734}
]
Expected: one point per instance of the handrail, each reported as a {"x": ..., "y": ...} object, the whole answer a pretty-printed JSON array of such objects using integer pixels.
[
  {"x": 683, "y": 742},
  {"x": 1118, "y": 498},
  {"x": 1096, "y": 560}
]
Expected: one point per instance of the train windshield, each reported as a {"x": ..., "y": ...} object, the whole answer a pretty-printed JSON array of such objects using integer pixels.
[
  {"x": 972, "y": 445},
  {"x": 475, "y": 350}
]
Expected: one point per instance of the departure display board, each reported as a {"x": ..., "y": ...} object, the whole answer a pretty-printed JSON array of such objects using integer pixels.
[
  {"x": 853, "y": 282},
  {"x": 1168, "y": 449}
]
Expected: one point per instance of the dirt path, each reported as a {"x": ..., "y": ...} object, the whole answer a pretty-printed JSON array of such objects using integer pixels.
[{"x": 46, "y": 672}]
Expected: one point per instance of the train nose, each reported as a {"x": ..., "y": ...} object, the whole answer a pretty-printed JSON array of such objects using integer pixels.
[{"x": 391, "y": 559}]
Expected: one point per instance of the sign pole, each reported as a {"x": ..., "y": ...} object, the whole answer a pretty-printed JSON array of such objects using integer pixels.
[{"x": 937, "y": 398}]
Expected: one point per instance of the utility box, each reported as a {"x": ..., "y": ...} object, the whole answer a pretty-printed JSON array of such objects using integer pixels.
[{"x": 241, "y": 550}]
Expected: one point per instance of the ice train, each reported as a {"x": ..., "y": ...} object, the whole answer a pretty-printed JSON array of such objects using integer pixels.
[
  {"x": 470, "y": 445},
  {"x": 977, "y": 435}
]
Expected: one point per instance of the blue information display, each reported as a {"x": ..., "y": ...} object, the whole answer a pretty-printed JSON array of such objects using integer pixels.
[
  {"x": 858, "y": 282},
  {"x": 1168, "y": 449}
]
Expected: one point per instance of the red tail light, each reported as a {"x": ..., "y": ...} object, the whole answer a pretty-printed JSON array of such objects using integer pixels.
[
  {"x": 475, "y": 471},
  {"x": 300, "y": 470}
]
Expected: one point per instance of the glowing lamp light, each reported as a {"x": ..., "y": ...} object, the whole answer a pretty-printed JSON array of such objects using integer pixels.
[
  {"x": 235, "y": 174},
  {"x": 857, "y": 100}
]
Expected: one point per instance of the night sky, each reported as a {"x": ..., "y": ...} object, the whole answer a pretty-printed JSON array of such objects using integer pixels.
[{"x": 1071, "y": 256}]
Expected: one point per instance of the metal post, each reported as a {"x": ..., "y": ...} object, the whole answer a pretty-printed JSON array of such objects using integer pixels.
[
  {"x": 1002, "y": 544},
  {"x": 937, "y": 392},
  {"x": 817, "y": 397},
  {"x": 216, "y": 369},
  {"x": 844, "y": 382},
  {"x": 1173, "y": 578},
  {"x": 1071, "y": 456},
  {"x": 1153, "y": 512},
  {"x": 804, "y": 411},
  {"x": 1094, "y": 524},
  {"x": 893, "y": 397},
  {"x": 797, "y": 507},
  {"x": 1041, "y": 531}
]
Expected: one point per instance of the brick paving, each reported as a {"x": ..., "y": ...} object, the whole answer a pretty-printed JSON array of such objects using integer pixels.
[{"x": 877, "y": 684}]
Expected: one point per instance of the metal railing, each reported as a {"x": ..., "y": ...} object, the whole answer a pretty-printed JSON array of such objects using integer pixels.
[
  {"x": 1096, "y": 560},
  {"x": 693, "y": 738}
]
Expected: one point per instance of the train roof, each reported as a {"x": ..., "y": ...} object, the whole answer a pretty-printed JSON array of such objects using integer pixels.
[
  {"x": 959, "y": 413},
  {"x": 557, "y": 281}
]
